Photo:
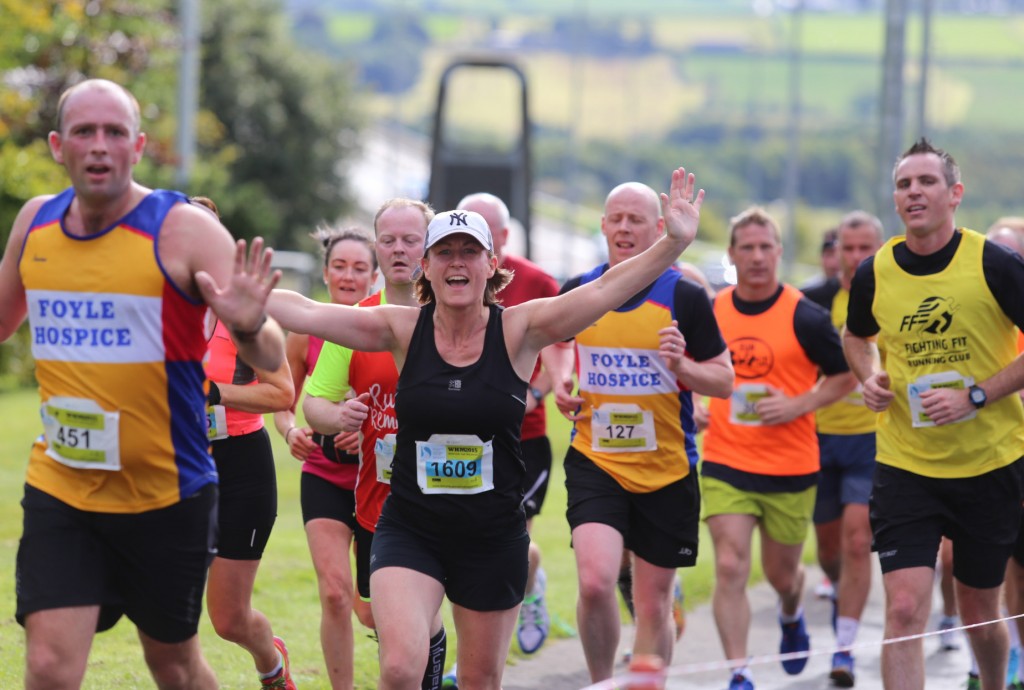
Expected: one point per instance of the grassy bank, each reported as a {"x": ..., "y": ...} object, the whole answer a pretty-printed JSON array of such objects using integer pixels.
[{"x": 285, "y": 587}]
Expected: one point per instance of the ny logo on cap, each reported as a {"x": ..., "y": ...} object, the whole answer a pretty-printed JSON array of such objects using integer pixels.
[{"x": 457, "y": 219}]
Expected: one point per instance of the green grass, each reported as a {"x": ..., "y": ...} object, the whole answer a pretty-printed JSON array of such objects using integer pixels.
[
  {"x": 973, "y": 80},
  {"x": 286, "y": 584}
]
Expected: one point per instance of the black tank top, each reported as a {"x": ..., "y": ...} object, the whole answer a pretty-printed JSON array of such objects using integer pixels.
[{"x": 485, "y": 399}]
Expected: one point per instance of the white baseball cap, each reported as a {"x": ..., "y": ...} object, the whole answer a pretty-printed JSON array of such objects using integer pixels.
[{"x": 455, "y": 222}]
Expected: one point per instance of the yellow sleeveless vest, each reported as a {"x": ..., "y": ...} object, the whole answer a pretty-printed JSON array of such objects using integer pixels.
[
  {"x": 946, "y": 327},
  {"x": 849, "y": 415}
]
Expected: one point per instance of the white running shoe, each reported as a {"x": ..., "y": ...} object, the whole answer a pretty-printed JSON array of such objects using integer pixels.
[{"x": 534, "y": 623}]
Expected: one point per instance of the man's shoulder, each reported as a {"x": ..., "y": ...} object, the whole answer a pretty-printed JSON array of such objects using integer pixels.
[{"x": 822, "y": 293}]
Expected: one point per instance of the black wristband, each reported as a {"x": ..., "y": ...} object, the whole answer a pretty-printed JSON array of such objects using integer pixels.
[
  {"x": 213, "y": 397},
  {"x": 249, "y": 336}
]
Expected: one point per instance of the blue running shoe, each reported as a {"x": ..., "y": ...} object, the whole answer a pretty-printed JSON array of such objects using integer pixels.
[
  {"x": 740, "y": 682},
  {"x": 794, "y": 639},
  {"x": 842, "y": 670}
]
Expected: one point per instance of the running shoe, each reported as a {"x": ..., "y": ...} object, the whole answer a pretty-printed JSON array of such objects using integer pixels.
[
  {"x": 842, "y": 670},
  {"x": 949, "y": 639},
  {"x": 284, "y": 678},
  {"x": 534, "y": 623},
  {"x": 794, "y": 639},
  {"x": 678, "y": 608},
  {"x": 973, "y": 682},
  {"x": 448, "y": 680},
  {"x": 825, "y": 589},
  {"x": 740, "y": 682}
]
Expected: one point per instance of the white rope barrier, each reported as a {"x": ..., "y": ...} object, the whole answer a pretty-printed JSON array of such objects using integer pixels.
[{"x": 648, "y": 679}]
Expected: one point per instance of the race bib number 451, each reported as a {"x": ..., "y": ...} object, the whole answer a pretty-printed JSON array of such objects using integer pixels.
[{"x": 81, "y": 434}]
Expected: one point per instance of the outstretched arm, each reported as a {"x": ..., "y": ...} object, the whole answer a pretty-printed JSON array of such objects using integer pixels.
[
  {"x": 369, "y": 329},
  {"x": 240, "y": 304},
  {"x": 560, "y": 318}
]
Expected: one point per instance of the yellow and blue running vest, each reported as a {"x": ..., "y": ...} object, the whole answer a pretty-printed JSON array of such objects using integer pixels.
[
  {"x": 945, "y": 329},
  {"x": 118, "y": 350},
  {"x": 640, "y": 429}
]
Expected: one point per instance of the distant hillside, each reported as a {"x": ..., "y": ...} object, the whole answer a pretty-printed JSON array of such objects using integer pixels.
[{"x": 706, "y": 82}]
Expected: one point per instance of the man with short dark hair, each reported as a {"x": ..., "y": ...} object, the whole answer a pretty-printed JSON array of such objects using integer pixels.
[
  {"x": 944, "y": 303},
  {"x": 846, "y": 440}
]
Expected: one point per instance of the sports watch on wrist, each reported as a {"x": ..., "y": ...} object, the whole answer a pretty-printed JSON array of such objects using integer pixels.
[
  {"x": 536, "y": 393},
  {"x": 977, "y": 396}
]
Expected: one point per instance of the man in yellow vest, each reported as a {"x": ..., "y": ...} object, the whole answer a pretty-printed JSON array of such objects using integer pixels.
[
  {"x": 943, "y": 302},
  {"x": 846, "y": 439},
  {"x": 760, "y": 465}
]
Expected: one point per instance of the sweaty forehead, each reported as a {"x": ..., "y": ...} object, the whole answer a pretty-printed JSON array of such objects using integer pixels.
[
  {"x": 631, "y": 201},
  {"x": 919, "y": 165},
  {"x": 98, "y": 103},
  {"x": 402, "y": 221},
  {"x": 755, "y": 232}
]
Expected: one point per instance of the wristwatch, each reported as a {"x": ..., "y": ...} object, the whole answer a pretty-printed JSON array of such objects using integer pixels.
[
  {"x": 977, "y": 396},
  {"x": 536, "y": 393}
]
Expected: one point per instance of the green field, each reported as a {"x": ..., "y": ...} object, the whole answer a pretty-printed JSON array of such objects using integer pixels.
[
  {"x": 285, "y": 587},
  {"x": 724, "y": 68}
]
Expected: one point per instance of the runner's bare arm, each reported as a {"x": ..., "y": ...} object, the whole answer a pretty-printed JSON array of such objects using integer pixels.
[{"x": 13, "y": 305}]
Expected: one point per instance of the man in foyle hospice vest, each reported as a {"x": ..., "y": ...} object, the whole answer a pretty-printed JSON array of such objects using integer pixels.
[{"x": 121, "y": 491}]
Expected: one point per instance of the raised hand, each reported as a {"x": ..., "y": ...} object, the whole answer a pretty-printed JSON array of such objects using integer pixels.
[
  {"x": 240, "y": 304},
  {"x": 681, "y": 208}
]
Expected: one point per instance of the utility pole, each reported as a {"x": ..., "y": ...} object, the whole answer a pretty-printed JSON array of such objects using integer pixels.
[
  {"x": 891, "y": 130},
  {"x": 922, "y": 84},
  {"x": 791, "y": 182},
  {"x": 188, "y": 91}
]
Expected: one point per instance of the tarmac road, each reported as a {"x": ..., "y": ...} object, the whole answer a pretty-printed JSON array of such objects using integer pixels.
[{"x": 560, "y": 665}]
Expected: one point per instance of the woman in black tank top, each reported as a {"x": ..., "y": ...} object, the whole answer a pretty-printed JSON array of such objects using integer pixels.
[{"x": 453, "y": 525}]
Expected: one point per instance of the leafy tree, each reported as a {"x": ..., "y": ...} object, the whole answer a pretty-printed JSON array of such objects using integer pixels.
[
  {"x": 47, "y": 47},
  {"x": 275, "y": 122},
  {"x": 289, "y": 115}
]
